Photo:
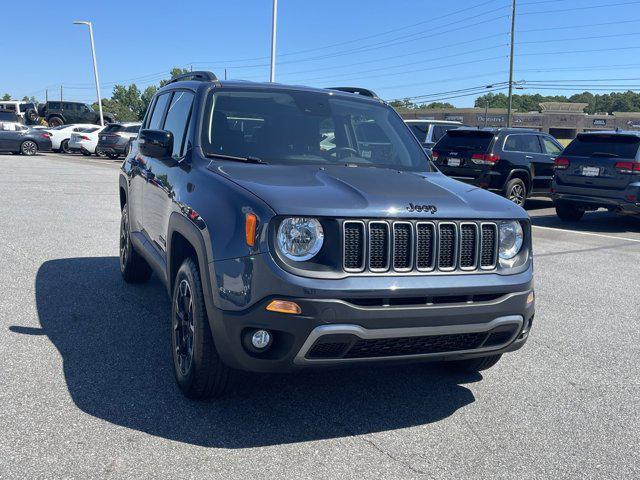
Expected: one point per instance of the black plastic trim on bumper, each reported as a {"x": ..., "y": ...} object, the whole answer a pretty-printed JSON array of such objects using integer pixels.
[{"x": 292, "y": 332}]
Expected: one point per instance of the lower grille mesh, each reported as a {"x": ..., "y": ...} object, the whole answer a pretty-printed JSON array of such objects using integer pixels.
[{"x": 326, "y": 348}]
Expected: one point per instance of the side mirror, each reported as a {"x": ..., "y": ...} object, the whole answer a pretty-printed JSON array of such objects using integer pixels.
[{"x": 155, "y": 143}]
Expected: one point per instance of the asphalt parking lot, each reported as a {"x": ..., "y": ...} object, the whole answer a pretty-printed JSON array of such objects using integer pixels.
[{"x": 87, "y": 390}]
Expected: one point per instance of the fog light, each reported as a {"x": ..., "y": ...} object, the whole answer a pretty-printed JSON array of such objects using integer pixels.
[
  {"x": 261, "y": 339},
  {"x": 531, "y": 298}
]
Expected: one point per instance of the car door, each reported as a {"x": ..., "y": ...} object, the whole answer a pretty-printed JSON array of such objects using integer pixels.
[
  {"x": 11, "y": 137},
  {"x": 524, "y": 150},
  {"x": 160, "y": 193},
  {"x": 543, "y": 165},
  {"x": 70, "y": 112},
  {"x": 140, "y": 169}
]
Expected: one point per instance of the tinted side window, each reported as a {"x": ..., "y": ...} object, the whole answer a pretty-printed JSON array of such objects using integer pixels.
[
  {"x": 439, "y": 131},
  {"x": 177, "y": 118},
  {"x": 550, "y": 147},
  {"x": 158, "y": 111},
  {"x": 54, "y": 105},
  {"x": 419, "y": 130},
  {"x": 522, "y": 143},
  {"x": 132, "y": 129}
]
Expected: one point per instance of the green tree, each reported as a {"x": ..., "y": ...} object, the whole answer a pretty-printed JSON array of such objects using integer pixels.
[
  {"x": 172, "y": 73},
  {"x": 145, "y": 99},
  {"x": 6, "y": 97},
  {"x": 430, "y": 106}
]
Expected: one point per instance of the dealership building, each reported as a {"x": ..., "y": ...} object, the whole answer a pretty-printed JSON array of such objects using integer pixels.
[{"x": 563, "y": 120}]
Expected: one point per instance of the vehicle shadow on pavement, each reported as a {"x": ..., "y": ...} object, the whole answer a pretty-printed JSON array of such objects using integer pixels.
[
  {"x": 114, "y": 341},
  {"x": 601, "y": 221}
]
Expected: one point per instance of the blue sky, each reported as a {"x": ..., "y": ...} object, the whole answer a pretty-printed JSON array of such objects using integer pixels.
[{"x": 399, "y": 48}]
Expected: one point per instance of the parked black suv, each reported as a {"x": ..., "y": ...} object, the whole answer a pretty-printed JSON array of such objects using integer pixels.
[
  {"x": 598, "y": 170},
  {"x": 319, "y": 236},
  {"x": 115, "y": 139},
  {"x": 63, "y": 113},
  {"x": 514, "y": 162}
]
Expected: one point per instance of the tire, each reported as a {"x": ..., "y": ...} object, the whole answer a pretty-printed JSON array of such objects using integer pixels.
[
  {"x": 133, "y": 267},
  {"x": 516, "y": 191},
  {"x": 64, "y": 147},
  {"x": 85, "y": 153},
  {"x": 199, "y": 371},
  {"x": 29, "y": 148},
  {"x": 113, "y": 156},
  {"x": 55, "y": 122},
  {"x": 473, "y": 364},
  {"x": 569, "y": 212},
  {"x": 99, "y": 152}
]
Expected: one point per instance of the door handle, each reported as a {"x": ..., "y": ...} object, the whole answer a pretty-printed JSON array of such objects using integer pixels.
[{"x": 528, "y": 157}]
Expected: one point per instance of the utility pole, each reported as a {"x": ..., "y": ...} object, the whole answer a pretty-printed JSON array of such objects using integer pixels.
[
  {"x": 46, "y": 95},
  {"x": 513, "y": 32},
  {"x": 272, "y": 76},
  {"x": 95, "y": 66},
  {"x": 225, "y": 73},
  {"x": 486, "y": 113}
]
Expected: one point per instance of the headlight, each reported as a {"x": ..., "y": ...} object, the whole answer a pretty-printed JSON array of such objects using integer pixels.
[
  {"x": 300, "y": 239},
  {"x": 511, "y": 238}
]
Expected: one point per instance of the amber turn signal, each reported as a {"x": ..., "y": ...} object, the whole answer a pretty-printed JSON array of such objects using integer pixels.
[
  {"x": 251, "y": 223},
  {"x": 531, "y": 297},
  {"x": 283, "y": 306}
]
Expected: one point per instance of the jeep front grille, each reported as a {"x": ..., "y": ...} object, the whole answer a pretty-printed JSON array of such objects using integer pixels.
[{"x": 379, "y": 246}]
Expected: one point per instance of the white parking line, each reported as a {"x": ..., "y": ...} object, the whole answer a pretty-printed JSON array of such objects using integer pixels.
[{"x": 588, "y": 233}]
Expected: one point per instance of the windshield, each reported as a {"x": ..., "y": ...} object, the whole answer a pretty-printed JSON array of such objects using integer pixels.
[{"x": 301, "y": 128}]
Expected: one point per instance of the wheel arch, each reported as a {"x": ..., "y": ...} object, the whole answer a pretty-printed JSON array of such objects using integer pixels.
[
  {"x": 123, "y": 190},
  {"x": 523, "y": 175},
  {"x": 185, "y": 239}
]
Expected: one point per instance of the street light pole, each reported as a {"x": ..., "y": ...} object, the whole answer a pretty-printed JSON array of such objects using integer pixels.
[
  {"x": 513, "y": 30},
  {"x": 95, "y": 66},
  {"x": 274, "y": 21}
]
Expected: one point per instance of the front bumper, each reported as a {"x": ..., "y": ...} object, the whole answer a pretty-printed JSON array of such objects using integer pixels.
[{"x": 367, "y": 308}]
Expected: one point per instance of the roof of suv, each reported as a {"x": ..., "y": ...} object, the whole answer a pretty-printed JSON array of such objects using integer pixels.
[
  {"x": 358, "y": 92},
  {"x": 443, "y": 122},
  {"x": 611, "y": 132},
  {"x": 498, "y": 130}
]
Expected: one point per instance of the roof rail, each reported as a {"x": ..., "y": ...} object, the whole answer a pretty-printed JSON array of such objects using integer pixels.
[
  {"x": 198, "y": 76},
  {"x": 357, "y": 90}
]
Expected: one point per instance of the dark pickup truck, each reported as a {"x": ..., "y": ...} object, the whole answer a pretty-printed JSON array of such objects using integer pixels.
[{"x": 303, "y": 228}]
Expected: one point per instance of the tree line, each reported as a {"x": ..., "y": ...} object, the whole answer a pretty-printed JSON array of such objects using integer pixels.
[
  {"x": 127, "y": 103},
  {"x": 597, "y": 103}
]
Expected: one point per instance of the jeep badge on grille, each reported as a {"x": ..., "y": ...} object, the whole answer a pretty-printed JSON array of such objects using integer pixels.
[{"x": 422, "y": 208}]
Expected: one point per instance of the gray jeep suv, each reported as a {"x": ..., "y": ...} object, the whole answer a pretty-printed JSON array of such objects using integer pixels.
[{"x": 297, "y": 228}]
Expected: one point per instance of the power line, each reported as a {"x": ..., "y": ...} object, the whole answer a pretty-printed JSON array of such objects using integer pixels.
[
  {"x": 433, "y": 100},
  {"x": 386, "y": 75},
  {"x": 584, "y": 25},
  {"x": 590, "y": 37},
  {"x": 479, "y": 87},
  {"x": 387, "y": 69},
  {"x": 578, "y": 51},
  {"x": 581, "y": 8},
  {"x": 380, "y": 59}
]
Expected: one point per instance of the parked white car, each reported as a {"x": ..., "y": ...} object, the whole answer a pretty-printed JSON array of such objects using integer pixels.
[
  {"x": 60, "y": 135},
  {"x": 85, "y": 141}
]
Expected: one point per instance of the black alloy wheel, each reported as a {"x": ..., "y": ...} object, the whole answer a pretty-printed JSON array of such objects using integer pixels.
[{"x": 183, "y": 328}]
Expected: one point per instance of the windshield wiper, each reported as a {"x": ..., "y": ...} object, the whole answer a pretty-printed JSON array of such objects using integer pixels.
[{"x": 233, "y": 158}]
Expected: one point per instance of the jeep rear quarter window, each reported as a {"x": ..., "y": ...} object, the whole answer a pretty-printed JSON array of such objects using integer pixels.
[
  {"x": 623, "y": 146},
  {"x": 472, "y": 140},
  {"x": 294, "y": 124},
  {"x": 419, "y": 130},
  {"x": 54, "y": 105}
]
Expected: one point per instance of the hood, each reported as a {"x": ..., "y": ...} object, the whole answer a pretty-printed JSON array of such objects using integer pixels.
[{"x": 365, "y": 192}]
